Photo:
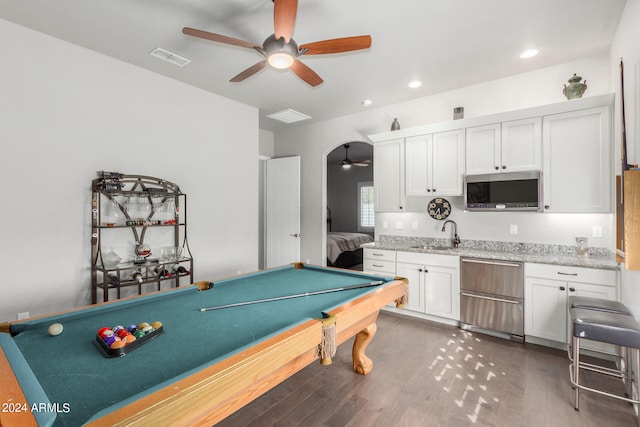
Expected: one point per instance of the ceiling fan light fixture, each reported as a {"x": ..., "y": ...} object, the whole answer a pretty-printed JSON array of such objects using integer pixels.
[
  {"x": 280, "y": 60},
  {"x": 346, "y": 166}
]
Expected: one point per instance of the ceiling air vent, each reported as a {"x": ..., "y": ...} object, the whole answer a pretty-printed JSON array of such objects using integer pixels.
[
  {"x": 165, "y": 55},
  {"x": 288, "y": 116}
]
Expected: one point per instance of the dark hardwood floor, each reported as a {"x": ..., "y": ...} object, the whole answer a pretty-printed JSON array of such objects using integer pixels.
[{"x": 427, "y": 374}]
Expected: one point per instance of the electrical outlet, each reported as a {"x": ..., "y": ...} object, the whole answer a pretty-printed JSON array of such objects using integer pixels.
[
  {"x": 596, "y": 231},
  {"x": 399, "y": 225},
  {"x": 23, "y": 315},
  {"x": 513, "y": 228},
  {"x": 414, "y": 225}
]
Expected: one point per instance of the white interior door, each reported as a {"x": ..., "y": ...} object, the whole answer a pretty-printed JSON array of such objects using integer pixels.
[{"x": 282, "y": 211}]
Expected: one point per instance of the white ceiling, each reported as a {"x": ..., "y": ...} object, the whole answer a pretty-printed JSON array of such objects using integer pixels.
[{"x": 446, "y": 44}]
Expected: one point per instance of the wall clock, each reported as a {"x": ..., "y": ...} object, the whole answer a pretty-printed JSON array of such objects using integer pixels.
[{"x": 439, "y": 208}]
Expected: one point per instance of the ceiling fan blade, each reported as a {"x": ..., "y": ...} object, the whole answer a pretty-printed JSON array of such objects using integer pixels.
[
  {"x": 249, "y": 71},
  {"x": 218, "y": 38},
  {"x": 284, "y": 18},
  {"x": 360, "y": 164},
  {"x": 344, "y": 44},
  {"x": 306, "y": 73}
]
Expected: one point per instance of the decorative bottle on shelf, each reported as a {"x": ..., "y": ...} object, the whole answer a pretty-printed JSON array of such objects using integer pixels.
[
  {"x": 161, "y": 271},
  {"x": 178, "y": 269},
  {"x": 137, "y": 276},
  {"x": 113, "y": 279}
]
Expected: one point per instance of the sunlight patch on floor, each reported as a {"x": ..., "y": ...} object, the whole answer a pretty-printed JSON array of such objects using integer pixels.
[{"x": 458, "y": 352}]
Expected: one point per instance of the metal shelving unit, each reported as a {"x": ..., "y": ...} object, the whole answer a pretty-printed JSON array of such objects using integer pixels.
[{"x": 138, "y": 235}]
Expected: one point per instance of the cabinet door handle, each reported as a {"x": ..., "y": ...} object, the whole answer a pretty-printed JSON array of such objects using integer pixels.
[
  {"x": 496, "y": 168},
  {"x": 567, "y": 274},
  {"x": 572, "y": 289},
  {"x": 376, "y": 265},
  {"x": 374, "y": 254},
  {"x": 562, "y": 288},
  {"x": 420, "y": 270},
  {"x": 504, "y": 167},
  {"x": 490, "y": 262}
]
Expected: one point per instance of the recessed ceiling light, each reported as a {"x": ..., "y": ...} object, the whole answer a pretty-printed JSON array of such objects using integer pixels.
[
  {"x": 528, "y": 53},
  {"x": 415, "y": 84},
  {"x": 366, "y": 103}
]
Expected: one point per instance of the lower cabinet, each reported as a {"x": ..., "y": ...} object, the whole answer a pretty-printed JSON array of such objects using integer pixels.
[
  {"x": 434, "y": 283},
  {"x": 547, "y": 288},
  {"x": 379, "y": 261}
]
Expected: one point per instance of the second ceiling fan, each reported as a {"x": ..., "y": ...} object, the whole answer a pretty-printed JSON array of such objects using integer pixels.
[{"x": 280, "y": 50}]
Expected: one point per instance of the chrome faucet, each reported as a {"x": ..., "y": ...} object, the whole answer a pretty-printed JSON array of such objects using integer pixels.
[{"x": 456, "y": 238}]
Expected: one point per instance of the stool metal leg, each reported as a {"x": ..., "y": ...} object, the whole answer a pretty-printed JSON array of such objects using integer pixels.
[{"x": 575, "y": 344}]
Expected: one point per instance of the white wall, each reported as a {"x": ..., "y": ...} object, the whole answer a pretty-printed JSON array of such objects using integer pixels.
[
  {"x": 544, "y": 86},
  {"x": 67, "y": 112},
  {"x": 627, "y": 46}
]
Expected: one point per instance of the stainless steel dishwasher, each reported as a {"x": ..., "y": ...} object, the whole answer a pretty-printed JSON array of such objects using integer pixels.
[{"x": 492, "y": 297}]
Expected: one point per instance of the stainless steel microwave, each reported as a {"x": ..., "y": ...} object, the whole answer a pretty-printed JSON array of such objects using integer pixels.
[{"x": 512, "y": 191}]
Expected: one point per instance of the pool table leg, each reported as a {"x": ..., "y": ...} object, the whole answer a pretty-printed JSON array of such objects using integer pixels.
[{"x": 361, "y": 363}]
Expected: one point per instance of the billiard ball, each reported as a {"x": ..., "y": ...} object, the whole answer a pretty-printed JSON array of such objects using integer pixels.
[
  {"x": 131, "y": 327},
  {"x": 117, "y": 344},
  {"x": 128, "y": 339},
  {"x": 156, "y": 325},
  {"x": 138, "y": 334},
  {"x": 102, "y": 330},
  {"x": 55, "y": 329},
  {"x": 142, "y": 325},
  {"x": 147, "y": 329}
]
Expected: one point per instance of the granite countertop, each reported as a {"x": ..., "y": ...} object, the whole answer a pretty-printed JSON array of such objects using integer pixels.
[{"x": 503, "y": 251}]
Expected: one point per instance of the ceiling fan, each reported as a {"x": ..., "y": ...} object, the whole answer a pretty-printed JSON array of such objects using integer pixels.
[
  {"x": 280, "y": 50},
  {"x": 347, "y": 162}
]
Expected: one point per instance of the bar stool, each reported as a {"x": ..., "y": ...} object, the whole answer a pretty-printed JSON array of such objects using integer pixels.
[
  {"x": 609, "y": 306},
  {"x": 598, "y": 304},
  {"x": 612, "y": 328}
]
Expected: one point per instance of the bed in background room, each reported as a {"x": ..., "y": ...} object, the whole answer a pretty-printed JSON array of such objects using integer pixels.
[{"x": 343, "y": 249}]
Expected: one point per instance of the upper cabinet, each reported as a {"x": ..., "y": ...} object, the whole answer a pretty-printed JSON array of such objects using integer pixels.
[
  {"x": 577, "y": 169},
  {"x": 388, "y": 175},
  {"x": 571, "y": 142},
  {"x": 434, "y": 164},
  {"x": 510, "y": 146}
]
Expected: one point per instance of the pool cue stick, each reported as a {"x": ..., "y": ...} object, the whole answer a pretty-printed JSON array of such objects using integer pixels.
[{"x": 305, "y": 294}]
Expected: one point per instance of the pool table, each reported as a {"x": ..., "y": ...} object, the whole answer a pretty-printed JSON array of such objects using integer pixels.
[{"x": 206, "y": 365}]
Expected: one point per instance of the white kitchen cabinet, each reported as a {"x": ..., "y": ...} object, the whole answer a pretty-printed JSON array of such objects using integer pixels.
[
  {"x": 388, "y": 175},
  {"x": 434, "y": 164},
  {"x": 577, "y": 168},
  {"x": 434, "y": 283},
  {"x": 547, "y": 288},
  {"x": 510, "y": 146},
  {"x": 414, "y": 274},
  {"x": 379, "y": 261}
]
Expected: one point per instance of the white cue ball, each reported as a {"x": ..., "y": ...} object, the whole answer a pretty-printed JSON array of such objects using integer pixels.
[{"x": 55, "y": 329}]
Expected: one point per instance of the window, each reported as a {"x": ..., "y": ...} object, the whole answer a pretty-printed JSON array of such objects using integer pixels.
[{"x": 366, "y": 217}]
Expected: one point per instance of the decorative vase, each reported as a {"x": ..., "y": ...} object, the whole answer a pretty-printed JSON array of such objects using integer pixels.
[
  {"x": 575, "y": 88},
  {"x": 395, "y": 125}
]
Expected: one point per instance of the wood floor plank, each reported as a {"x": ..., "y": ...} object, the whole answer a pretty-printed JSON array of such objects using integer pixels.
[{"x": 428, "y": 374}]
